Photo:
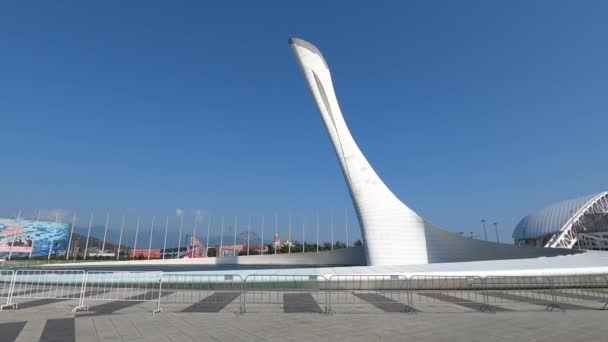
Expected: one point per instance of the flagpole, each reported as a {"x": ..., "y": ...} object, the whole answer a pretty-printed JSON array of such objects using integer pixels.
[
  {"x": 208, "y": 231},
  {"x": 303, "y": 239},
  {"x": 67, "y": 254},
  {"x": 248, "y": 233},
  {"x": 122, "y": 227},
  {"x": 317, "y": 231},
  {"x": 194, "y": 234},
  {"x": 86, "y": 245},
  {"x": 135, "y": 241},
  {"x": 276, "y": 231},
  {"x": 179, "y": 240},
  {"x": 165, "y": 243},
  {"x": 151, "y": 231},
  {"x": 332, "y": 229},
  {"x": 289, "y": 246},
  {"x": 217, "y": 253},
  {"x": 346, "y": 225},
  {"x": 10, "y": 248},
  {"x": 234, "y": 243},
  {"x": 103, "y": 245},
  {"x": 262, "y": 241},
  {"x": 52, "y": 239},
  {"x": 33, "y": 240}
]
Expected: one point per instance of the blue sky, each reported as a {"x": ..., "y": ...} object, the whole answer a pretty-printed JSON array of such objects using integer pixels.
[{"x": 467, "y": 110}]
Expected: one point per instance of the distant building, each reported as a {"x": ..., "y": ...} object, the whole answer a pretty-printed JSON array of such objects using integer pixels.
[
  {"x": 20, "y": 237},
  {"x": 96, "y": 252},
  {"x": 258, "y": 248},
  {"x": 276, "y": 241},
  {"x": 136, "y": 253},
  {"x": 229, "y": 250},
  {"x": 580, "y": 223}
]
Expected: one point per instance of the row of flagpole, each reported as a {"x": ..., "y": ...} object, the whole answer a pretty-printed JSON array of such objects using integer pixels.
[{"x": 181, "y": 221}]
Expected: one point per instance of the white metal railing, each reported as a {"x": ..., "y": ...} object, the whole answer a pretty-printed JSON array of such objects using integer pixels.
[
  {"x": 47, "y": 284},
  {"x": 202, "y": 292},
  {"x": 292, "y": 293},
  {"x": 6, "y": 283},
  {"x": 350, "y": 293},
  {"x": 122, "y": 286},
  {"x": 304, "y": 293},
  {"x": 459, "y": 291}
]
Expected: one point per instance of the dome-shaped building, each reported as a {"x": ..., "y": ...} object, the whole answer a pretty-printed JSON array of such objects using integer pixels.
[{"x": 580, "y": 223}]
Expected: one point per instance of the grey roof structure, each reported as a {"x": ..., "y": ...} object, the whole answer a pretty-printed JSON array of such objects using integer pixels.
[{"x": 553, "y": 218}]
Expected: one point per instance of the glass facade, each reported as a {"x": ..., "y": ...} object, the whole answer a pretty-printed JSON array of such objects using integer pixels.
[{"x": 20, "y": 237}]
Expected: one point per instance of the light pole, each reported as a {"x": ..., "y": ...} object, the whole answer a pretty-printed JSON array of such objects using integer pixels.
[
  {"x": 483, "y": 224},
  {"x": 496, "y": 230}
]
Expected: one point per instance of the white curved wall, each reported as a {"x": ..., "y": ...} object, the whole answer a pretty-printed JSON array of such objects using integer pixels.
[{"x": 393, "y": 234}]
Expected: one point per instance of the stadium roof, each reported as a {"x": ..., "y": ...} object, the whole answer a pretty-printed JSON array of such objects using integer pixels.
[{"x": 555, "y": 217}]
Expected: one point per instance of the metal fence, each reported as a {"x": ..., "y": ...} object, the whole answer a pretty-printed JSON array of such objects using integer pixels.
[
  {"x": 530, "y": 292},
  {"x": 123, "y": 286},
  {"x": 6, "y": 284},
  {"x": 584, "y": 290},
  {"x": 291, "y": 293},
  {"x": 447, "y": 293},
  {"x": 107, "y": 291},
  {"x": 203, "y": 293},
  {"x": 358, "y": 293},
  {"x": 62, "y": 285}
]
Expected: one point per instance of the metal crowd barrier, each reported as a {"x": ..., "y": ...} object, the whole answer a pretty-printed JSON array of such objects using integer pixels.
[
  {"x": 513, "y": 291},
  {"x": 6, "y": 284},
  {"x": 303, "y": 293},
  {"x": 204, "y": 293},
  {"x": 356, "y": 292},
  {"x": 45, "y": 284},
  {"x": 121, "y": 286},
  {"x": 586, "y": 290},
  {"x": 431, "y": 291},
  {"x": 292, "y": 293}
]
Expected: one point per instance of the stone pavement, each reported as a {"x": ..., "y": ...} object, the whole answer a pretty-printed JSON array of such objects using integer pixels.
[{"x": 55, "y": 325}]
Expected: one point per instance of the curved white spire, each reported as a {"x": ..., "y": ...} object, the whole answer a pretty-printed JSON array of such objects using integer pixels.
[{"x": 393, "y": 233}]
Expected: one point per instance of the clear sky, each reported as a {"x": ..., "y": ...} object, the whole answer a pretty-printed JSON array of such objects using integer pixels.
[{"x": 467, "y": 110}]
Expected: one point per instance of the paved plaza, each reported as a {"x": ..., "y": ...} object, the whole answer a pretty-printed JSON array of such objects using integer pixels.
[
  {"x": 297, "y": 316},
  {"x": 56, "y": 325}
]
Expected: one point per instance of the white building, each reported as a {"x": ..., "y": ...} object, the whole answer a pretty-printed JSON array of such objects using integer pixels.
[{"x": 580, "y": 223}]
